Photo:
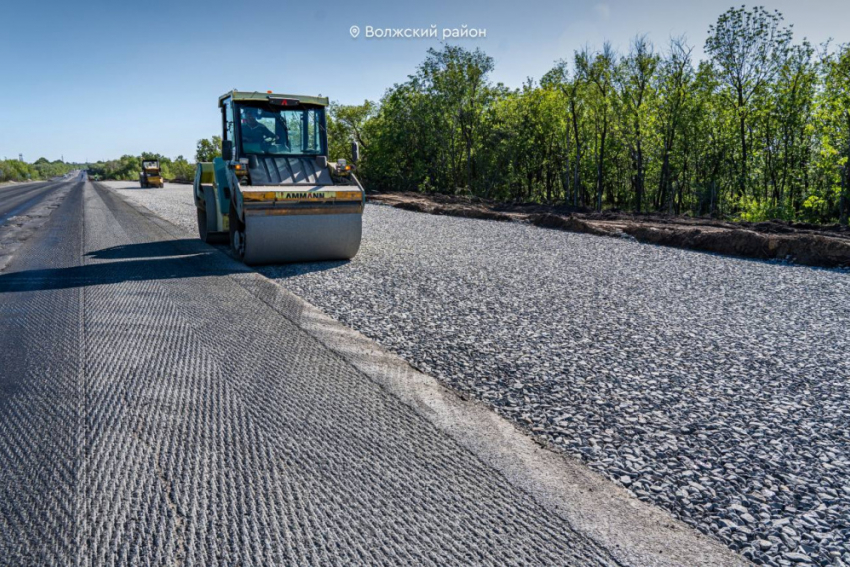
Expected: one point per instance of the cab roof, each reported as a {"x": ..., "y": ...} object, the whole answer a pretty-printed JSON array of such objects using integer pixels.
[{"x": 245, "y": 96}]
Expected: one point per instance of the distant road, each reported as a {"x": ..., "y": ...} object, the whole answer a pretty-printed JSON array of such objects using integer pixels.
[{"x": 18, "y": 199}]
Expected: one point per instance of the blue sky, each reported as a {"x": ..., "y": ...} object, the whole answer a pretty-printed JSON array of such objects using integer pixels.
[{"x": 85, "y": 80}]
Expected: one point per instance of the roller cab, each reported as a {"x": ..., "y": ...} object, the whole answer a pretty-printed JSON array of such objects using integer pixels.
[{"x": 274, "y": 194}]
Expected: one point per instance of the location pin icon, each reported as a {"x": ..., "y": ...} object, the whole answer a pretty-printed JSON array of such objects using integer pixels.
[{"x": 355, "y": 31}]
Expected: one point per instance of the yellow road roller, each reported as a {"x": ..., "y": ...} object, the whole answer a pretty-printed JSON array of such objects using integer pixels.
[
  {"x": 273, "y": 194},
  {"x": 151, "y": 175}
]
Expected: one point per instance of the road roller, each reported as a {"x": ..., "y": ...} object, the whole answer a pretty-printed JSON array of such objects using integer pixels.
[
  {"x": 274, "y": 194},
  {"x": 151, "y": 174}
]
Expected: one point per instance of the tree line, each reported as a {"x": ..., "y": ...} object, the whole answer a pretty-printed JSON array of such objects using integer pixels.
[
  {"x": 127, "y": 167},
  {"x": 758, "y": 130},
  {"x": 17, "y": 170}
]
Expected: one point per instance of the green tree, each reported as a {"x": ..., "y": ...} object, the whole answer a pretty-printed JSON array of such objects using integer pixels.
[
  {"x": 746, "y": 46},
  {"x": 182, "y": 170},
  {"x": 674, "y": 82},
  {"x": 347, "y": 123},
  {"x": 208, "y": 149},
  {"x": 431, "y": 129},
  {"x": 598, "y": 70},
  {"x": 636, "y": 78},
  {"x": 573, "y": 90},
  {"x": 833, "y": 114}
]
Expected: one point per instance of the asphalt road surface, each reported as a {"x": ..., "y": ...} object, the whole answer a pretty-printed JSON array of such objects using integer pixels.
[
  {"x": 155, "y": 409},
  {"x": 18, "y": 199}
]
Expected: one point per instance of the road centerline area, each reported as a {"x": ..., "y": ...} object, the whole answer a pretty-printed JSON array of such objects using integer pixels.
[{"x": 155, "y": 410}]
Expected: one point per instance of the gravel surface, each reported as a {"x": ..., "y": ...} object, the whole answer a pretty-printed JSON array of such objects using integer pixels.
[
  {"x": 715, "y": 387},
  {"x": 172, "y": 202}
]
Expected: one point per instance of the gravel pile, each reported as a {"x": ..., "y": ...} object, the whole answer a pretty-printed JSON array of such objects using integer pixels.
[{"x": 717, "y": 388}]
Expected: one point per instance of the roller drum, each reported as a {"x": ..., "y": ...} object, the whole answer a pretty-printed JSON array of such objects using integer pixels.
[{"x": 275, "y": 239}]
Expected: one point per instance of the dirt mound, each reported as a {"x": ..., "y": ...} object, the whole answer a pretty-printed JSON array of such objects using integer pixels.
[
  {"x": 569, "y": 223},
  {"x": 811, "y": 245},
  {"x": 464, "y": 211},
  {"x": 471, "y": 213}
]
